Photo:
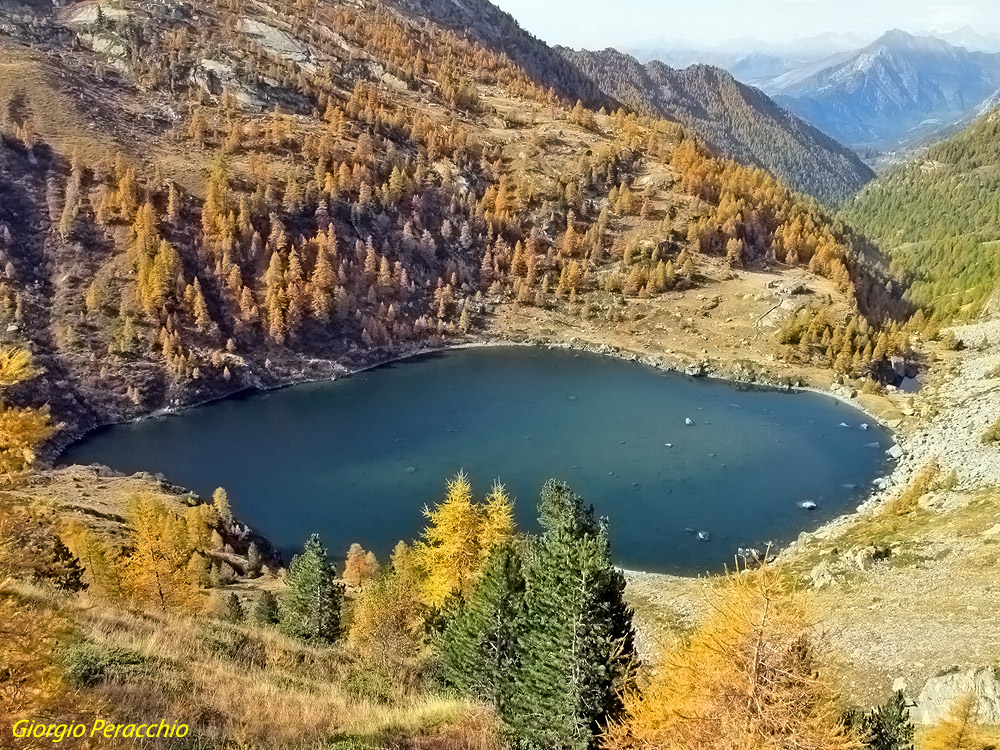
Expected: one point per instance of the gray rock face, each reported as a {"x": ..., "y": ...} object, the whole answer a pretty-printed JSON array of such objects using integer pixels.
[
  {"x": 940, "y": 694},
  {"x": 868, "y": 557},
  {"x": 822, "y": 575}
]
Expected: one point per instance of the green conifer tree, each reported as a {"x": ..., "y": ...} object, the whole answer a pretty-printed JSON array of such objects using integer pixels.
[
  {"x": 576, "y": 650},
  {"x": 255, "y": 560},
  {"x": 885, "y": 727},
  {"x": 478, "y": 646},
  {"x": 265, "y": 609},
  {"x": 311, "y": 607},
  {"x": 63, "y": 567},
  {"x": 234, "y": 610}
]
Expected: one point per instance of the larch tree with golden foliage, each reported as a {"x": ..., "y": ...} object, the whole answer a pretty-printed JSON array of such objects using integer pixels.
[
  {"x": 99, "y": 560},
  {"x": 220, "y": 501},
  {"x": 387, "y": 619},
  {"x": 745, "y": 680},
  {"x": 21, "y": 429},
  {"x": 459, "y": 537},
  {"x": 958, "y": 730},
  {"x": 156, "y": 569},
  {"x": 359, "y": 567},
  {"x": 157, "y": 563}
]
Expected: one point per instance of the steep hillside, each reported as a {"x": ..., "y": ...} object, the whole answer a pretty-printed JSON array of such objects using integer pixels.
[
  {"x": 220, "y": 198},
  {"x": 892, "y": 93},
  {"x": 736, "y": 120},
  {"x": 938, "y": 218},
  {"x": 213, "y": 195},
  {"x": 484, "y": 23}
]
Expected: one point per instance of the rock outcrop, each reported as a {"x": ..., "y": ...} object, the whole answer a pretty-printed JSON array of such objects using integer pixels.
[{"x": 940, "y": 693}]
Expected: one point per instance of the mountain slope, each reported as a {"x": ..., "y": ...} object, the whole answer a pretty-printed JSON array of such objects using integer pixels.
[
  {"x": 892, "y": 92},
  {"x": 938, "y": 218},
  {"x": 736, "y": 120},
  {"x": 237, "y": 197},
  {"x": 487, "y": 25}
]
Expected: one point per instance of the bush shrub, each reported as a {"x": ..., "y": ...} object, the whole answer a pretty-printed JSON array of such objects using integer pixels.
[{"x": 88, "y": 664}]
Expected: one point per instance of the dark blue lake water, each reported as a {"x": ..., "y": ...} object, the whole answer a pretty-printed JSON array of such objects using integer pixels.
[{"x": 357, "y": 459}]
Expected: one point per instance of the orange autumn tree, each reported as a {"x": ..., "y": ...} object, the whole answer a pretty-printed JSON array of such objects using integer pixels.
[
  {"x": 162, "y": 562},
  {"x": 21, "y": 429},
  {"x": 746, "y": 679},
  {"x": 359, "y": 567},
  {"x": 459, "y": 537},
  {"x": 957, "y": 730}
]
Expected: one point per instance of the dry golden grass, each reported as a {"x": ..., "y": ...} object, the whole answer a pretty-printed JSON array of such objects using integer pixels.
[
  {"x": 906, "y": 501},
  {"x": 32, "y": 687},
  {"x": 55, "y": 116},
  {"x": 247, "y": 686}
]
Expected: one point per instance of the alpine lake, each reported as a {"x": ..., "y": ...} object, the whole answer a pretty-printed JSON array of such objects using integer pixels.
[{"x": 687, "y": 470}]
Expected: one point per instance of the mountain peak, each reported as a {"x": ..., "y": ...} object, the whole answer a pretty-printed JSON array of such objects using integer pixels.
[
  {"x": 896, "y": 36},
  {"x": 899, "y": 40},
  {"x": 711, "y": 103}
]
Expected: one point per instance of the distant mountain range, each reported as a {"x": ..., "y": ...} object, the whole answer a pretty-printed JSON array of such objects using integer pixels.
[
  {"x": 735, "y": 120},
  {"x": 751, "y": 60},
  {"x": 969, "y": 38},
  {"x": 895, "y": 93}
]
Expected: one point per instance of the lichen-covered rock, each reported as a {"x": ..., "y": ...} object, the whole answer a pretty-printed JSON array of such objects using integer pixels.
[{"x": 940, "y": 693}]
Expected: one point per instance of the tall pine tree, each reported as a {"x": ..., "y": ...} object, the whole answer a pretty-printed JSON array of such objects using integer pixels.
[
  {"x": 310, "y": 608},
  {"x": 575, "y": 651},
  {"x": 478, "y": 648}
]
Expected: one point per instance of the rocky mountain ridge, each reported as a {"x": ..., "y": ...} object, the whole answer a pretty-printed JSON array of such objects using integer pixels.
[{"x": 734, "y": 119}]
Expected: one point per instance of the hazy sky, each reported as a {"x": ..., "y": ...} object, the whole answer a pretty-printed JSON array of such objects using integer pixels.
[{"x": 601, "y": 23}]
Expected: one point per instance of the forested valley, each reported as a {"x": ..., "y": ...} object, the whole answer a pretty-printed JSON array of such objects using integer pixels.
[{"x": 936, "y": 218}]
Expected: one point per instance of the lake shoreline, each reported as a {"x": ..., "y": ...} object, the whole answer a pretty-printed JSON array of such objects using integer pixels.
[
  {"x": 660, "y": 364},
  {"x": 676, "y": 366}
]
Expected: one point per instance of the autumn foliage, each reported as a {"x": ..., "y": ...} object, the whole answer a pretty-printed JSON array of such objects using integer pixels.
[
  {"x": 459, "y": 537},
  {"x": 22, "y": 429},
  {"x": 746, "y": 679}
]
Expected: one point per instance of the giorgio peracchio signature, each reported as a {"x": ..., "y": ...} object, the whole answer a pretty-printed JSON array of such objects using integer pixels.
[{"x": 57, "y": 732}]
